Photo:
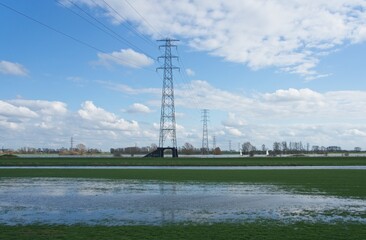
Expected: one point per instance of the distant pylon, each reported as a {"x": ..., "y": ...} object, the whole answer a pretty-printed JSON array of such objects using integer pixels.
[
  {"x": 213, "y": 143},
  {"x": 71, "y": 144},
  {"x": 205, "y": 149},
  {"x": 167, "y": 117}
]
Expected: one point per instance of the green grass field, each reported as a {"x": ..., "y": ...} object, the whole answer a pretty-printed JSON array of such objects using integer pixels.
[
  {"x": 245, "y": 161},
  {"x": 347, "y": 183},
  {"x": 265, "y": 230}
]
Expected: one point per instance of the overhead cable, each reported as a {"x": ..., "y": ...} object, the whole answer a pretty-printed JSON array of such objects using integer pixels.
[{"x": 67, "y": 35}]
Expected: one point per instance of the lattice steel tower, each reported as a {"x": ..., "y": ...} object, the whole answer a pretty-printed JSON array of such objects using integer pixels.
[
  {"x": 205, "y": 149},
  {"x": 167, "y": 118}
]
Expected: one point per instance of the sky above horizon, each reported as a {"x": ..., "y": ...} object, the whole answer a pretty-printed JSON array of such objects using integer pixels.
[{"x": 268, "y": 71}]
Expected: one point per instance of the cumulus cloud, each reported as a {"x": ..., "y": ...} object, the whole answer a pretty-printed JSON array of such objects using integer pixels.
[
  {"x": 39, "y": 123},
  {"x": 292, "y": 94},
  {"x": 21, "y": 114},
  {"x": 138, "y": 108},
  {"x": 104, "y": 120},
  {"x": 234, "y": 131},
  {"x": 284, "y": 104},
  {"x": 125, "y": 57},
  {"x": 233, "y": 121},
  {"x": 11, "y": 110},
  {"x": 355, "y": 132},
  {"x": 289, "y": 35},
  {"x": 41, "y": 106},
  {"x": 11, "y": 68},
  {"x": 320, "y": 118}
]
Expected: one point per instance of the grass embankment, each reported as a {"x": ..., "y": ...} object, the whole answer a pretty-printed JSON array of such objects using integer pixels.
[
  {"x": 256, "y": 230},
  {"x": 345, "y": 183},
  {"x": 245, "y": 161}
]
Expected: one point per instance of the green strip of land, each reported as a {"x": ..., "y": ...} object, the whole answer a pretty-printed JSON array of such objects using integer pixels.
[
  {"x": 244, "y": 161},
  {"x": 264, "y": 230},
  {"x": 345, "y": 183}
]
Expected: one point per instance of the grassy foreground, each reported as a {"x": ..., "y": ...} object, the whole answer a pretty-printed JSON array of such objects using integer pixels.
[
  {"x": 245, "y": 161},
  {"x": 255, "y": 230},
  {"x": 345, "y": 183}
]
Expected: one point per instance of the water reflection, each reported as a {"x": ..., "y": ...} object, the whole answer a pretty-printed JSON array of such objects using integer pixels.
[{"x": 121, "y": 202}]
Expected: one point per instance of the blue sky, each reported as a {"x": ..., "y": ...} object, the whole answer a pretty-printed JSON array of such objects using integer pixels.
[{"x": 267, "y": 70}]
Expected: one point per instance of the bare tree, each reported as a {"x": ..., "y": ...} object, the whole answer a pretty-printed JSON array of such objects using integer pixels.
[
  {"x": 187, "y": 148},
  {"x": 247, "y": 147},
  {"x": 81, "y": 148}
]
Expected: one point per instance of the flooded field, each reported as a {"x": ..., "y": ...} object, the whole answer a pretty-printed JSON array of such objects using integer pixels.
[{"x": 127, "y": 202}]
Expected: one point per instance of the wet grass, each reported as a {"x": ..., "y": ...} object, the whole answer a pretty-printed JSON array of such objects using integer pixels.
[
  {"x": 245, "y": 161},
  {"x": 337, "y": 182},
  {"x": 263, "y": 230}
]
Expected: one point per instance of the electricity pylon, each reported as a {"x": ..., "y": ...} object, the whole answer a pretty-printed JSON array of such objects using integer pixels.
[
  {"x": 205, "y": 149},
  {"x": 167, "y": 117}
]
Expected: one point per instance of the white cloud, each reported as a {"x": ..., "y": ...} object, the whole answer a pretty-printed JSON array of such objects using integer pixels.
[
  {"x": 11, "y": 110},
  {"x": 234, "y": 131},
  {"x": 125, "y": 57},
  {"x": 39, "y": 123},
  {"x": 138, "y": 108},
  {"x": 129, "y": 90},
  {"x": 320, "y": 118},
  {"x": 292, "y": 95},
  {"x": 289, "y": 35},
  {"x": 280, "y": 106},
  {"x": 233, "y": 121},
  {"x": 41, "y": 106},
  {"x": 101, "y": 119},
  {"x": 11, "y": 68},
  {"x": 355, "y": 132},
  {"x": 190, "y": 72}
]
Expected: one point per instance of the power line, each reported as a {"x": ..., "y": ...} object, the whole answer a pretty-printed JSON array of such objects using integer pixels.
[
  {"x": 142, "y": 17},
  {"x": 87, "y": 20},
  {"x": 111, "y": 32},
  {"x": 128, "y": 25},
  {"x": 186, "y": 80},
  {"x": 67, "y": 35}
]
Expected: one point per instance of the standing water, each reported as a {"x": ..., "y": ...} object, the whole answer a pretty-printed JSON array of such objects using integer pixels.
[{"x": 126, "y": 202}]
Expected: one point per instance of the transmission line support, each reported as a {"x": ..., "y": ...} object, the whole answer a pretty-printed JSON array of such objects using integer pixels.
[{"x": 167, "y": 116}]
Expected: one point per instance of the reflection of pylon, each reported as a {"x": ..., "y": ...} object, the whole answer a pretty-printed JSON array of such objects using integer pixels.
[
  {"x": 205, "y": 132},
  {"x": 167, "y": 118}
]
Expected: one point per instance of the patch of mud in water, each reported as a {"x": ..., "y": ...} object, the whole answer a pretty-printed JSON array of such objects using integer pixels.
[{"x": 126, "y": 202}]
